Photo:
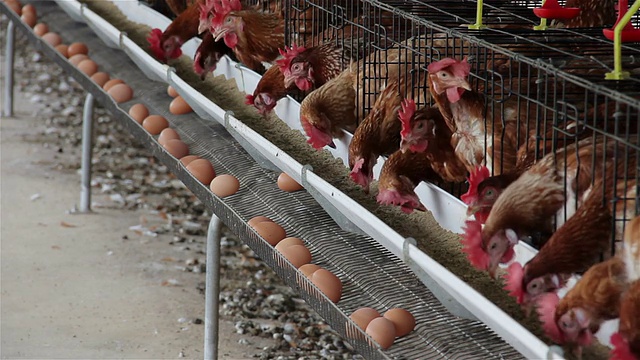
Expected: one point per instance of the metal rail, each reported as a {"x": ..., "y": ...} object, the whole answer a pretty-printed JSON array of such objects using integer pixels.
[
  {"x": 371, "y": 275},
  {"x": 8, "y": 75},
  {"x": 87, "y": 152},
  {"x": 212, "y": 289}
]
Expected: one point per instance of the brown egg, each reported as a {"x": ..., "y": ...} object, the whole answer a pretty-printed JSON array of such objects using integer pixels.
[
  {"x": 29, "y": 19},
  {"x": 62, "y": 49},
  {"x": 286, "y": 183},
  {"x": 328, "y": 283},
  {"x": 138, "y": 112},
  {"x": 186, "y": 160},
  {"x": 76, "y": 59},
  {"x": 289, "y": 242},
  {"x": 121, "y": 93},
  {"x": 202, "y": 170},
  {"x": 89, "y": 67},
  {"x": 29, "y": 9},
  {"x": 177, "y": 148},
  {"x": 52, "y": 39},
  {"x": 154, "y": 124},
  {"x": 402, "y": 319},
  {"x": 167, "y": 134},
  {"x": 100, "y": 78},
  {"x": 179, "y": 107},
  {"x": 41, "y": 29},
  {"x": 298, "y": 255},
  {"x": 270, "y": 231},
  {"x": 257, "y": 220},
  {"x": 109, "y": 84},
  {"x": 382, "y": 331},
  {"x": 224, "y": 185},
  {"x": 309, "y": 269},
  {"x": 15, "y": 6},
  {"x": 171, "y": 91},
  {"x": 363, "y": 316},
  {"x": 78, "y": 48}
]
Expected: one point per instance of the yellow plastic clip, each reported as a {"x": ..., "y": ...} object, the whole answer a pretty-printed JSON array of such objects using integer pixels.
[
  {"x": 617, "y": 73},
  {"x": 478, "y": 25}
]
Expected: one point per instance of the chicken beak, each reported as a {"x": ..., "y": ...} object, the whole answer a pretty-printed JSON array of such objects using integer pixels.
[
  {"x": 472, "y": 209},
  {"x": 555, "y": 279},
  {"x": 289, "y": 81},
  {"x": 202, "y": 27},
  {"x": 332, "y": 144},
  {"x": 463, "y": 83},
  {"x": 203, "y": 75},
  {"x": 493, "y": 268},
  {"x": 404, "y": 145},
  {"x": 219, "y": 33}
]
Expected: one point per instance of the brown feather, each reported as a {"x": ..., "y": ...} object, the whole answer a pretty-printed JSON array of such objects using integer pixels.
[{"x": 598, "y": 292}]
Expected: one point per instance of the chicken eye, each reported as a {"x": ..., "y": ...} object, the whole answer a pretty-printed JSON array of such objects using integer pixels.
[
  {"x": 489, "y": 193},
  {"x": 534, "y": 286},
  {"x": 229, "y": 20},
  {"x": 443, "y": 74},
  {"x": 420, "y": 125},
  {"x": 494, "y": 246},
  {"x": 296, "y": 67}
]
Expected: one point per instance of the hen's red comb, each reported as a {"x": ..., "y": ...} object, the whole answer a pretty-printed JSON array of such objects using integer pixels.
[
  {"x": 358, "y": 176},
  {"x": 478, "y": 175},
  {"x": 317, "y": 138},
  {"x": 547, "y": 304},
  {"x": 222, "y": 8},
  {"x": 458, "y": 68},
  {"x": 249, "y": 99},
  {"x": 621, "y": 349},
  {"x": 472, "y": 245},
  {"x": 513, "y": 281},
  {"x": 205, "y": 10},
  {"x": 407, "y": 202},
  {"x": 155, "y": 40},
  {"x": 405, "y": 114},
  {"x": 196, "y": 62},
  {"x": 288, "y": 55}
]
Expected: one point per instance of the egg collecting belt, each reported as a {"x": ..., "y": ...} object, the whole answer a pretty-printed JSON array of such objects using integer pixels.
[{"x": 370, "y": 274}]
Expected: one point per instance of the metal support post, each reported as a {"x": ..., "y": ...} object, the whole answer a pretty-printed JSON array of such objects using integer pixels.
[
  {"x": 212, "y": 289},
  {"x": 8, "y": 76},
  {"x": 87, "y": 150}
]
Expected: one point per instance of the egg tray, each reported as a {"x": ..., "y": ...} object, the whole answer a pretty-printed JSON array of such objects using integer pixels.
[{"x": 370, "y": 274}]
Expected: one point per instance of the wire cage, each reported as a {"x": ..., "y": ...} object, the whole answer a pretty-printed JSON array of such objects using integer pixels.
[{"x": 554, "y": 79}]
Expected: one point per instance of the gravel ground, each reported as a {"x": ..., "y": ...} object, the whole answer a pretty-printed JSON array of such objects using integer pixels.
[{"x": 252, "y": 295}]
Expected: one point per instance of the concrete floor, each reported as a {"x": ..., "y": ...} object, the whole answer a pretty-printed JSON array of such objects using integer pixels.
[{"x": 84, "y": 285}]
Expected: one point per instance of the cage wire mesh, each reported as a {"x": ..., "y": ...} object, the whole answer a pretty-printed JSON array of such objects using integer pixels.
[{"x": 554, "y": 79}]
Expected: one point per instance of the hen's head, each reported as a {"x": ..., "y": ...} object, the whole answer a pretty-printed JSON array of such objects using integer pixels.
[
  {"x": 417, "y": 129},
  {"x": 206, "y": 16},
  {"x": 482, "y": 193},
  {"x": 226, "y": 23},
  {"x": 527, "y": 291},
  {"x": 205, "y": 64},
  {"x": 362, "y": 173},
  {"x": 398, "y": 191},
  {"x": 295, "y": 68},
  {"x": 450, "y": 76},
  {"x": 164, "y": 48},
  {"x": 263, "y": 101},
  {"x": 621, "y": 349},
  {"x": 317, "y": 125},
  {"x": 563, "y": 324},
  {"x": 487, "y": 252}
]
